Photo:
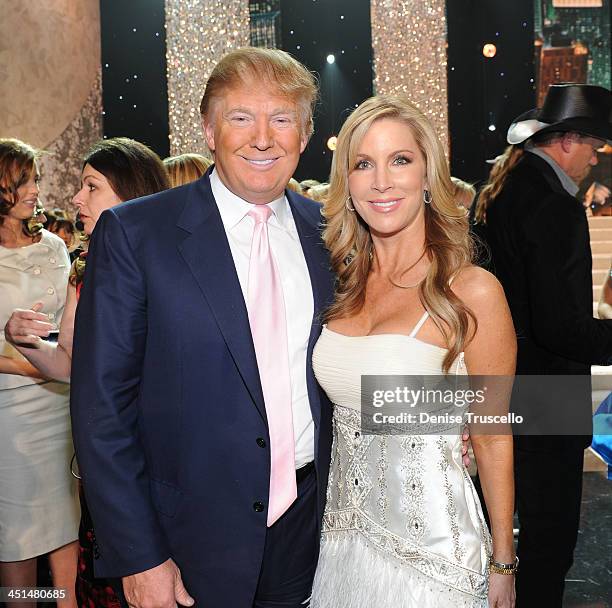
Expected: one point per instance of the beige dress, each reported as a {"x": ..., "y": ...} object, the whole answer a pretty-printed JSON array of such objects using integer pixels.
[
  {"x": 39, "y": 509},
  {"x": 403, "y": 526}
]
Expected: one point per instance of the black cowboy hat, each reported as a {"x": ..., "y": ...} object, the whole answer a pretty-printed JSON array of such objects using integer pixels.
[{"x": 582, "y": 108}]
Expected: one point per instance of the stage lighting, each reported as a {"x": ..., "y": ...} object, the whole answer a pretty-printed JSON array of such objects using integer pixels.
[
  {"x": 331, "y": 58},
  {"x": 331, "y": 142},
  {"x": 489, "y": 50},
  {"x": 492, "y": 127}
]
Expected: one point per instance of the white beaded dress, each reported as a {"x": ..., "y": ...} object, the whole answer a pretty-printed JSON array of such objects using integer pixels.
[{"x": 403, "y": 526}]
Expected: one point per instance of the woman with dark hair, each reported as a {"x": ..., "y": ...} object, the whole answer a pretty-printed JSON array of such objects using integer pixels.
[
  {"x": 59, "y": 223},
  {"x": 39, "y": 510},
  {"x": 115, "y": 170}
]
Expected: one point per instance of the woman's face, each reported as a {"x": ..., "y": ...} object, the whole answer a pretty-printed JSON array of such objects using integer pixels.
[
  {"x": 27, "y": 198},
  {"x": 94, "y": 197},
  {"x": 387, "y": 181}
]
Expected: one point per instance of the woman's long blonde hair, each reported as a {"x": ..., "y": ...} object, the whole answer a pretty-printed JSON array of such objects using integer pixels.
[
  {"x": 497, "y": 178},
  {"x": 447, "y": 242}
]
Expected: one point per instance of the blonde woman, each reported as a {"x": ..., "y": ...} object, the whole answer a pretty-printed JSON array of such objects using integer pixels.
[
  {"x": 186, "y": 168},
  {"x": 403, "y": 525}
]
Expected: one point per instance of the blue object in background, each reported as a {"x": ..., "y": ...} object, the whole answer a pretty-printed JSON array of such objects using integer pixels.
[{"x": 602, "y": 432}]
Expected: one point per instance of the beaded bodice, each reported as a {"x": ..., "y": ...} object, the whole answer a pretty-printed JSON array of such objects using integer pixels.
[{"x": 409, "y": 495}]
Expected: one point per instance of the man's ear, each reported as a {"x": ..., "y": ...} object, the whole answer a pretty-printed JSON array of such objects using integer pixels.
[
  {"x": 567, "y": 140},
  {"x": 303, "y": 142},
  {"x": 208, "y": 129}
]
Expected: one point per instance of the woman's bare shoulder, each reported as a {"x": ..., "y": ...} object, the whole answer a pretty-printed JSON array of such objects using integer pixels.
[{"x": 477, "y": 287}]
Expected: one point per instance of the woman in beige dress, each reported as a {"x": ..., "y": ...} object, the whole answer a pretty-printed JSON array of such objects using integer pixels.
[
  {"x": 39, "y": 510},
  {"x": 114, "y": 170}
]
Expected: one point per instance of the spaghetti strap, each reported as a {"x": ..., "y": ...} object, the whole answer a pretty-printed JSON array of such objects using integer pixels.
[{"x": 418, "y": 326}]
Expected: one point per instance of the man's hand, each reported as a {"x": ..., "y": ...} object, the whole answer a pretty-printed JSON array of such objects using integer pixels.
[
  {"x": 465, "y": 438},
  {"x": 159, "y": 587}
]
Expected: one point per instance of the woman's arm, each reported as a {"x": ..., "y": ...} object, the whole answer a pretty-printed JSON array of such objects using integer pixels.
[
  {"x": 604, "y": 310},
  {"x": 18, "y": 367},
  {"x": 25, "y": 328},
  {"x": 492, "y": 352}
]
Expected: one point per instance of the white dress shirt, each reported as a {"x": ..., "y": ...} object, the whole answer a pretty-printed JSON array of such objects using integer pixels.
[{"x": 297, "y": 293}]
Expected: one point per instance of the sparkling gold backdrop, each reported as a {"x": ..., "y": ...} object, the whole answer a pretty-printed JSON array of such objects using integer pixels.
[
  {"x": 409, "y": 48},
  {"x": 409, "y": 44},
  {"x": 198, "y": 34}
]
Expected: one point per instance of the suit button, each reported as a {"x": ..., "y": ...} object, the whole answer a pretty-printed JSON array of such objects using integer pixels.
[
  {"x": 258, "y": 506},
  {"x": 261, "y": 442}
]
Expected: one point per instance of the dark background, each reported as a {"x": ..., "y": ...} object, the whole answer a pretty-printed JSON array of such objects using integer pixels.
[
  {"x": 134, "y": 85},
  {"x": 483, "y": 91},
  {"x": 319, "y": 28}
]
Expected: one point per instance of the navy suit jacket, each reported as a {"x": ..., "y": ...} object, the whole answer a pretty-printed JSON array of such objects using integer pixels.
[{"x": 167, "y": 405}]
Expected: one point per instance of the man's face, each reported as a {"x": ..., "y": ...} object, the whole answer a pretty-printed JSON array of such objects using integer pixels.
[
  {"x": 582, "y": 155},
  {"x": 257, "y": 139}
]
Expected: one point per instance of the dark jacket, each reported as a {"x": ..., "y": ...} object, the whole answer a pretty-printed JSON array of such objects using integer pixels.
[{"x": 538, "y": 239}]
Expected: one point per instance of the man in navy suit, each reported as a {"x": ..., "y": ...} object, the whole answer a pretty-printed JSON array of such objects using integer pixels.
[{"x": 172, "y": 414}]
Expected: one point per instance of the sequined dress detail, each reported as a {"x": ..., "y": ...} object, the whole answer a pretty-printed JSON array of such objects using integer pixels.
[{"x": 403, "y": 526}]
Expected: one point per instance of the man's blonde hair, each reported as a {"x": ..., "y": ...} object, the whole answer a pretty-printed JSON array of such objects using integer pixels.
[{"x": 271, "y": 69}]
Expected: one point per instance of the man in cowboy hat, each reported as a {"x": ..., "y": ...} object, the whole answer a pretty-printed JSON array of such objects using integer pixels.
[{"x": 538, "y": 237}]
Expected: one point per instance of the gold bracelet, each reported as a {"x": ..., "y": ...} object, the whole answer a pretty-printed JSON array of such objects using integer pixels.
[{"x": 500, "y": 568}]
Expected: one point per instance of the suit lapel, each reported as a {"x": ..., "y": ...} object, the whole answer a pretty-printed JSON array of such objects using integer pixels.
[{"x": 207, "y": 253}]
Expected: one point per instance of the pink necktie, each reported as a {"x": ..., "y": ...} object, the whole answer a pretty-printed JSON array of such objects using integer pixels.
[{"x": 269, "y": 330}]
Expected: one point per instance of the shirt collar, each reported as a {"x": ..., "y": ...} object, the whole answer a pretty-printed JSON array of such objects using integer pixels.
[
  {"x": 233, "y": 209},
  {"x": 569, "y": 185}
]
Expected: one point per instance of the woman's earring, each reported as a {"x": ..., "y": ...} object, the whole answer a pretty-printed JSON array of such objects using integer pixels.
[
  {"x": 427, "y": 197},
  {"x": 348, "y": 206}
]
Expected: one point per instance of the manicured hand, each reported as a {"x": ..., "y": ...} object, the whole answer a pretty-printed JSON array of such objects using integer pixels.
[{"x": 26, "y": 327}]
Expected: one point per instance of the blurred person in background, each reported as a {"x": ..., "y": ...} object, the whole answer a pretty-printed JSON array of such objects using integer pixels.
[
  {"x": 307, "y": 184},
  {"x": 186, "y": 168},
  {"x": 295, "y": 186},
  {"x": 464, "y": 192},
  {"x": 60, "y": 223},
  {"x": 604, "y": 308},
  {"x": 537, "y": 233},
  {"x": 318, "y": 193},
  {"x": 114, "y": 170},
  {"x": 39, "y": 511}
]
